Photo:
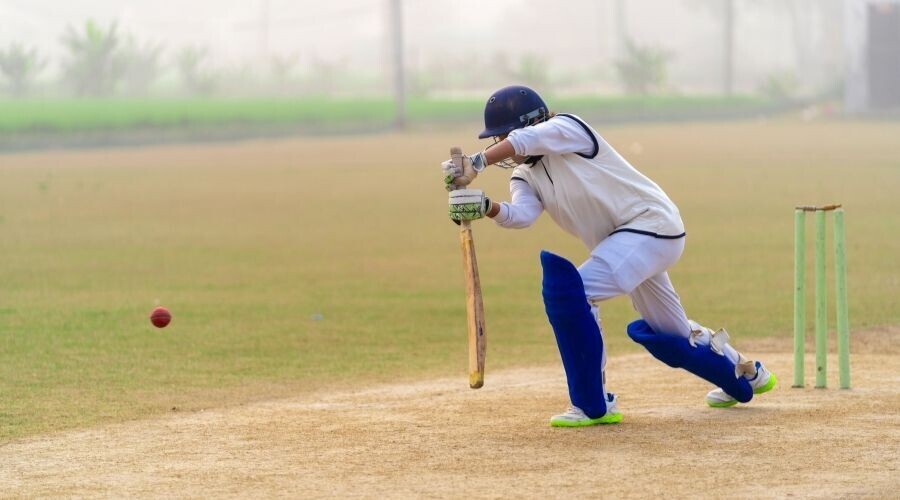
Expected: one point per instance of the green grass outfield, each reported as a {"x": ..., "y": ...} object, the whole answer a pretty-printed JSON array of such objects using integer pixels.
[
  {"x": 78, "y": 115},
  {"x": 308, "y": 264}
]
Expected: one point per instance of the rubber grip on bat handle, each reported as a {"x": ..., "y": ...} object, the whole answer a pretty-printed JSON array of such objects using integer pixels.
[{"x": 456, "y": 155}]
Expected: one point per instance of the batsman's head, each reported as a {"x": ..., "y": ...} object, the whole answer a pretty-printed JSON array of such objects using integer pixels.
[{"x": 510, "y": 108}]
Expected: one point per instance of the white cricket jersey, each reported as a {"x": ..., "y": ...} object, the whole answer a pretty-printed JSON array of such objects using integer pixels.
[{"x": 584, "y": 184}]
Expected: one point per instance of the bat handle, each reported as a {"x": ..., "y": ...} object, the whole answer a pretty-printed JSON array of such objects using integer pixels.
[{"x": 456, "y": 155}]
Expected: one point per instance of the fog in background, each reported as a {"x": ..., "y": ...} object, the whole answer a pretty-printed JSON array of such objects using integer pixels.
[{"x": 231, "y": 47}]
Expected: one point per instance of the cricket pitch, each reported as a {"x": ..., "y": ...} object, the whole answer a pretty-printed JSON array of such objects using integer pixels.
[{"x": 437, "y": 438}]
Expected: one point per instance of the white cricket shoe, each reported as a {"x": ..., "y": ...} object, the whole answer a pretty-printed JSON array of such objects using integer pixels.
[
  {"x": 763, "y": 381},
  {"x": 575, "y": 417}
]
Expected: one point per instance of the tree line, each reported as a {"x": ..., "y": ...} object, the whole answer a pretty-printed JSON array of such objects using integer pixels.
[{"x": 103, "y": 61}]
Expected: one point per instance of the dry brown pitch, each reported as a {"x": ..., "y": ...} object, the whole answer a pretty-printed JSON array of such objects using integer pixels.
[{"x": 437, "y": 438}]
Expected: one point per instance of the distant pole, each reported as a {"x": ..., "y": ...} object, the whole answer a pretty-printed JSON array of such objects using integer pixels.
[
  {"x": 263, "y": 33},
  {"x": 621, "y": 28},
  {"x": 728, "y": 49},
  {"x": 602, "y": 33},
  {"x": 395, "y": 8}
]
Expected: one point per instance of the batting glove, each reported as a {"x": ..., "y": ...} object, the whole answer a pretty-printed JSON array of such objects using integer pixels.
[
  {"x": 457, "y": 177},
  {"x": 468, "y": 204}
]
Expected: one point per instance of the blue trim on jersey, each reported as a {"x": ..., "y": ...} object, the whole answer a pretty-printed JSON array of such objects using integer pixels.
[
  {"x": 649, "y": 233},
  {"x": 589, "y": 133},
  {"x": 546, "y": 172}
]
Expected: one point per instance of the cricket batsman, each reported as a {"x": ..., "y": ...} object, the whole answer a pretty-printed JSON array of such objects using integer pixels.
[{"x": 634, "y": 234}]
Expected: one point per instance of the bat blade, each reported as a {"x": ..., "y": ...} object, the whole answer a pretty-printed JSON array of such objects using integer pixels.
[
  {"x": 474, "y": 308},
  {"x": 474, "y": 303}
]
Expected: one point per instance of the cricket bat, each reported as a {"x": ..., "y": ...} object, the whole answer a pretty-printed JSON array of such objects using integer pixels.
[{"x": 474, "y": 303}]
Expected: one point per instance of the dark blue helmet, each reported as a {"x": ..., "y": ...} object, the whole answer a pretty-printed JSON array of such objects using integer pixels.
[{"x": 510, "y": 108}]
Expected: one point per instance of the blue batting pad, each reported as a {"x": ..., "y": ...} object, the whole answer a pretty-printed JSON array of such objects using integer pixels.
[
  {"x": 577, "y": 333},
  {"x": 677, "y": 352}
]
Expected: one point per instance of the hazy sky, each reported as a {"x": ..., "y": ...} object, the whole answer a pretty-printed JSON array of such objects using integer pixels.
[{"x": 571, "y": 35}]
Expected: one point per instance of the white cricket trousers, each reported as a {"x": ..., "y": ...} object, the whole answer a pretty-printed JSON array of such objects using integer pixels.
[{"x": 635, "y": 265}]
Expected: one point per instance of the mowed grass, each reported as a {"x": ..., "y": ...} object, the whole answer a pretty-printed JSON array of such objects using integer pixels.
[
  {"x": 72, "y": 115},
  {"x": 78, "y": 115},
  {"x": 313, "y": 264}
]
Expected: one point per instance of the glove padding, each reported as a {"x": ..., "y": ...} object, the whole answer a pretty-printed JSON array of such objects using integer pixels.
[
  {"x": 457, "y": 177},
  {"x": 468, "y": 204}
]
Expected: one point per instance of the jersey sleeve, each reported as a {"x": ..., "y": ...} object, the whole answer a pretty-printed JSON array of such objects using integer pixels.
[
  {"x": 558, "y": 135},
  {"x": 523, "y": 209}
]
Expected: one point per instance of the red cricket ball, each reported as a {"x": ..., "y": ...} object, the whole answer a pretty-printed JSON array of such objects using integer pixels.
[{"x": 160, "y": 317}]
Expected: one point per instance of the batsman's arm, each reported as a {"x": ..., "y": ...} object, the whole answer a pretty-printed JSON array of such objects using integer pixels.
[
  {"x": 493, "y": 210},
  {"x": 499, "y": 152}
]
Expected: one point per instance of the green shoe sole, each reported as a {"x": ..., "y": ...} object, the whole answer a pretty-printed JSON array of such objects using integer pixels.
[
  {"x": 612, "y": 418},
  {"x": 759, "y": 390},
  {"x": 722, "y": 404},
  {"x": 769, "y": 385}
]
